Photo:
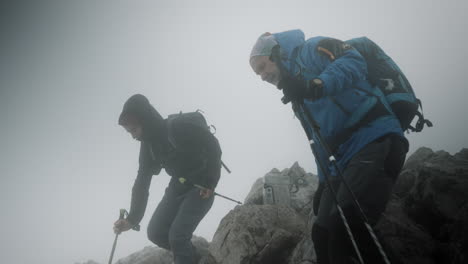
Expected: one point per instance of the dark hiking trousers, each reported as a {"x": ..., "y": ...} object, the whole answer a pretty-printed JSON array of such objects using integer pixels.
[
  {"x": 370, "y": 174},
  {"x": 174, "y": 221}
]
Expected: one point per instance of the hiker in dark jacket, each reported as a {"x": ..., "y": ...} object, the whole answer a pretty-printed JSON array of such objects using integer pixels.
[
  {"x": 197, "y": 159},
  {"x": 327, "y": 78}
]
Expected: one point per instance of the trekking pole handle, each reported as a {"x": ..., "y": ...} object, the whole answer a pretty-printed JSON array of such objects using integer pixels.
[{"x": 123, "y": 213}]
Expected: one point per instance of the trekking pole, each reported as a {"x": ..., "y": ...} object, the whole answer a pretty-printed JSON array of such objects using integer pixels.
[
  {"x": 316, "y": 129},
  {"x": 333, "y": 192},
  {"x": 338, "y": 207},
  {"x": 185, "y": 181},
  {"x": 122, "y": 215},
  {"x": 225, "y": 167}
]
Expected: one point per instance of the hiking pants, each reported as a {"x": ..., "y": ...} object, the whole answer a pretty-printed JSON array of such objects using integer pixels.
[
  {"x": 174, "y": 221},
  {"x": 370, "y": 174}
]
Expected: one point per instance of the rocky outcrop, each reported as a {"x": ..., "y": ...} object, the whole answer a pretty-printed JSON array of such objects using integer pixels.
[
  {"x": 425, "y": 222},
  {"x": 294, "y": 185},
  {"x": 257, "y": 234},
  {"x": 270, "y": 227},
  {"x": 88, "y": 262},
  {"x": 155, "y": 255},
  {"x": 149, "y": 255}
]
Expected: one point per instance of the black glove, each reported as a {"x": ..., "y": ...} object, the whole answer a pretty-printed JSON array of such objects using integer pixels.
[
  {"x": 317, "y": 197},
  {"x": 297, "y": 90}
]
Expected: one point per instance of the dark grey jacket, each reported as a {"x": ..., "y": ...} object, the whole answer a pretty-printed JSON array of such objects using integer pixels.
[{"x": 196, "y": 158}]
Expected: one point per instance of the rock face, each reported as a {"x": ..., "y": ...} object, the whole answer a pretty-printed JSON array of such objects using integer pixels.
[
  {"x": 295, "y": 189},
  {"x": 153, "y": 254},
  {"x": 148, "y": 255},
  {"x": 425, "y": 222},
  {"x": 88, "y": 262},
  {"x": 257, "y": 234},
  {"x": 292, "y": 186}
]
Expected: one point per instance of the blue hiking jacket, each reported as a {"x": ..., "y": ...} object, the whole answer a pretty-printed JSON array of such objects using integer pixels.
[{"x": 348, "y": 98}]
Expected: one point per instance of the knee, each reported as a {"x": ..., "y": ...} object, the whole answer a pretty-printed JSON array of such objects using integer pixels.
[
  {"x": 178, "y": 240},
  {"x": 159, "y": 238},
  {"x": 353, "y": 220},
  {"x": 319, "y": 234}
]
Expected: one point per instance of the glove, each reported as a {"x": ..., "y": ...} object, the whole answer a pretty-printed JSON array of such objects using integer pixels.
[
  {"x": 297, "y": 90},
  {"x": 317, "y": 197}
]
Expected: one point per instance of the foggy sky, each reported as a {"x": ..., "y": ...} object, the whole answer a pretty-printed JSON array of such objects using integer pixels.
[{"x": 67, "y": 68}]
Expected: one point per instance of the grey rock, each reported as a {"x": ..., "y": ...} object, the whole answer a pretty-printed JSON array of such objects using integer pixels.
[
  {"x": 88, "y": 262},
  {"x": 149, "y": 255},
  {"x": 427, "y": 221},
  {"x": 304, "y": 251},
  {"x": 405, "y": 241},
  {"x": 255, "y": 195},
  {"x": 291, "y": 186},
  {"x": 155, "y": 255},
  {"x": 257, "y": 234}
]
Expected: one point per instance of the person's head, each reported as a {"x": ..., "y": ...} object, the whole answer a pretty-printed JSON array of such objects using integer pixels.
[
  {"x": 140, "y": 119},
  {"x": 132, "y": 125},
  {"x": 260, "y": 59}
]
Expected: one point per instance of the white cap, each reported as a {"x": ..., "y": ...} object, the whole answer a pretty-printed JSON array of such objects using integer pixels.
[{"x": 264, "y": 45}]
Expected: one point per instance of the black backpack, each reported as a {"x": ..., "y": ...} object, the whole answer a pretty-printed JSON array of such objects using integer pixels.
[{"x": 195, "y": 118}]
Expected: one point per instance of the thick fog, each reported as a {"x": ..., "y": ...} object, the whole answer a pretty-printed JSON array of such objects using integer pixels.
[{"x": 67, "y": 68}]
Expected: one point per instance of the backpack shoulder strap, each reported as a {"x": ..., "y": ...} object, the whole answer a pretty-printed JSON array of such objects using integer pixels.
[{"x": 170, "y": 129}]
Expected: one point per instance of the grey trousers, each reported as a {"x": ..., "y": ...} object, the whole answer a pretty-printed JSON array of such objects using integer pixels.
[
  {"x": 174, "y": 221},
  {"x": 370, "y": 174}
]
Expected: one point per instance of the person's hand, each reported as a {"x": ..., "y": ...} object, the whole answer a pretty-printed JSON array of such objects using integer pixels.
[
  {"x": 122, "y": 225},
  {"x": 297, "y": 90},
  {"x": 206, "y": 193},
  {"x": 293, "y": 89}
]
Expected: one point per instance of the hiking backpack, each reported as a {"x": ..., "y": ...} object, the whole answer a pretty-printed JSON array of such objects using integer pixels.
[
  {"x": 384, "y": 73},
  {"x": 195, "y": 118}
]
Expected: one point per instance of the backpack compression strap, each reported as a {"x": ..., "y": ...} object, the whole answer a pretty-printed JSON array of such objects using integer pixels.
[{"x": 421, "y": 121}]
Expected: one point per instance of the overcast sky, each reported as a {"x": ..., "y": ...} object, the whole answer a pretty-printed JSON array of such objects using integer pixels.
[{"x": 67, "y": 68}]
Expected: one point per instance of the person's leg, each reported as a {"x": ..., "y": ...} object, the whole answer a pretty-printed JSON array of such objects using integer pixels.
[
  {"x": 367, "y": 175},
  {"x": 320, "y": 240},
  {"x": 320, "y": 233},
  {"x": 163, "y": 216},
  {"x": 191, "y": 212}
]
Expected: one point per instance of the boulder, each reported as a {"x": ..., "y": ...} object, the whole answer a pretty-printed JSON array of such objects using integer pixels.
[
  {"x": 156, "y": 255},
  {"x": 257, "y": 234},
  {"x": 291, "y": 186}
]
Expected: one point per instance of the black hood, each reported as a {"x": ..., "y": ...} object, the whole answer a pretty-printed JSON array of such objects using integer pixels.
[{"x": 139, "y": 107}]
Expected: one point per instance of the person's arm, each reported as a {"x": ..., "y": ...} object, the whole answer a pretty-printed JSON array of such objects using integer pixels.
[
  {"x": 339, "y": 63},
  {"x": 140, "y": 190}
]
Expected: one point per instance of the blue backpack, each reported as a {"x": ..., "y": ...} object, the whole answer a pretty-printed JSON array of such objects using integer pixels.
[{"x": 387, "y": 76}]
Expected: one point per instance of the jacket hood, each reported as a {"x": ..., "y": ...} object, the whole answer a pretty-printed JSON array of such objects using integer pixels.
[
  {"x": 288, "y": 41},
  {"x": 139, "y": 108}
]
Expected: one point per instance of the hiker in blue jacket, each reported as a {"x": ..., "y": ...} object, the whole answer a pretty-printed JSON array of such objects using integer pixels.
[
  {"x": 328, "y": 79},
  {"x": 197, "y": 159}
]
